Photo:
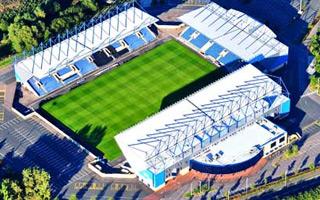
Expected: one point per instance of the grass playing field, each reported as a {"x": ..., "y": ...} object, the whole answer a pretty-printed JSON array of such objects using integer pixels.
[{"x": 117, "y": 100}]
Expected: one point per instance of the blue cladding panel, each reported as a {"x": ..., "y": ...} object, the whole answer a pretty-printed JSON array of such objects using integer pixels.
[
  {"x": 257, "y": 59},
  {"x": 147, "y": 174},
  {"x": 241, "y": 122},
  {"x": 270, "y": 99},
  {"x": 18, "y": 79},
  {"x": 223, "y": 132},
  {"x": 159, "y": 179},
  {"x": 285, "y": 107}
]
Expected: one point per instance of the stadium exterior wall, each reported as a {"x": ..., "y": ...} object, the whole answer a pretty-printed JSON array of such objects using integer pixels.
[{"x": 225, "y": 169}]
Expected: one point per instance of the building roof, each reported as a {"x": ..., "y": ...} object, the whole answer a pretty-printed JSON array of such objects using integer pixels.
[
  {"x": 88, "y": 40},
  {"x": 244, "y": 145},
  {"x": 168, "y": 136},
  {"x": 237, "y": 32}
]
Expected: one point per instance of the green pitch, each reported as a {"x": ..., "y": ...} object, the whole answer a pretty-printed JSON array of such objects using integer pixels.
[{"x": 115, "y": 101}]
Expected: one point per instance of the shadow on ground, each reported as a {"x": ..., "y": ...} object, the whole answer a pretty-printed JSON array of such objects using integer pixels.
[
  {"x": 89, "y": 136},
  {"x": 192, "y": 87},
  {"x": 59, "y": 157}
]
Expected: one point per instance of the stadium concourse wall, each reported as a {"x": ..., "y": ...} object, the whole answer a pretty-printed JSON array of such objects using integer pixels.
[{"x": 225, "y": 169}]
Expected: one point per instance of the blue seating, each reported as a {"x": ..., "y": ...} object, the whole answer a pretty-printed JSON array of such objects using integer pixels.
[
  {"x": 84, "y": 66},
  {"x": 229, "y": 58},
  {"x": 116, "y": 45},
  {"x": 71, "y": 78},
  {"x": 64, "y": 71},
  {"x": 187, "y": 33},
  {"x": 134, "y": 41},
  {"x": 214, "y": 50},
  {"x": 33, "y": 83},
  {"x": 50, "y": 83},
  {"x": 147, "y": 34},
  {"x": 113, "y": 48},
  {"x": 199, "y": 41}
]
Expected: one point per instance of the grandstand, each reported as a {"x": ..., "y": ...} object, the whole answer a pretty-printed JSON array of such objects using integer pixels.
[
  {"x": 166, "y": 143},
  {"x": 229, "y": 37},
  {"x": 78, "y": 52}
]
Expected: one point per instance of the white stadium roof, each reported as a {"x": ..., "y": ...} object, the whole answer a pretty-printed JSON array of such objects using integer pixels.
[
  {"x": 83, "y": 43},
  {"x": 158, "y": 142},
  {"x": 236, "y": 31},
  {"x": 238, "y": 148}
]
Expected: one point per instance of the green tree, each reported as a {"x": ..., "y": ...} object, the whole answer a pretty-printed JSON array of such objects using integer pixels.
[
  {"x": 315, "y": 44},
  {"x": 91, "y": 4},
  {"x": 21, "y": 37},
  {"x": 3, "y": 25},
  {"x": 312, "y": 166},
  {"x": 10, "y": 190},
  {"x": 39, "y": 12},
  {"x": 36, "y": 183},
  {"x": 314, "y": 82},
  {"x": 73, "y": 197},
  {"x": 58, "y": 25}
]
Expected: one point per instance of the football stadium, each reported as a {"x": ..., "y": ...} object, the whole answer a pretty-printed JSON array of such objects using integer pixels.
[{"x": 165, "y": 103}]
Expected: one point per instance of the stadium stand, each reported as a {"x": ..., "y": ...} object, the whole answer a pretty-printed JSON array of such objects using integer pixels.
[
  {"x": 229, "y": 58},
  {"x": 102, "y": 57},
  {"x": 147, "y": 34},
  {"x": 188, "y": 33},
  {"x": 85, "y": 66},
  {"x": 37, "y": 86},
  {"x": 165, "y": 143},
  {"x": 236, "y": 32},
  {"x": 65, "y": 58},
  {"x": 199, "y": 41},
  {"x": 120, "y": 48},
  {"x": 214, "y": 51},
  {"x": 50, "y": 83},
  {"x": 134, "y": 41}
]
